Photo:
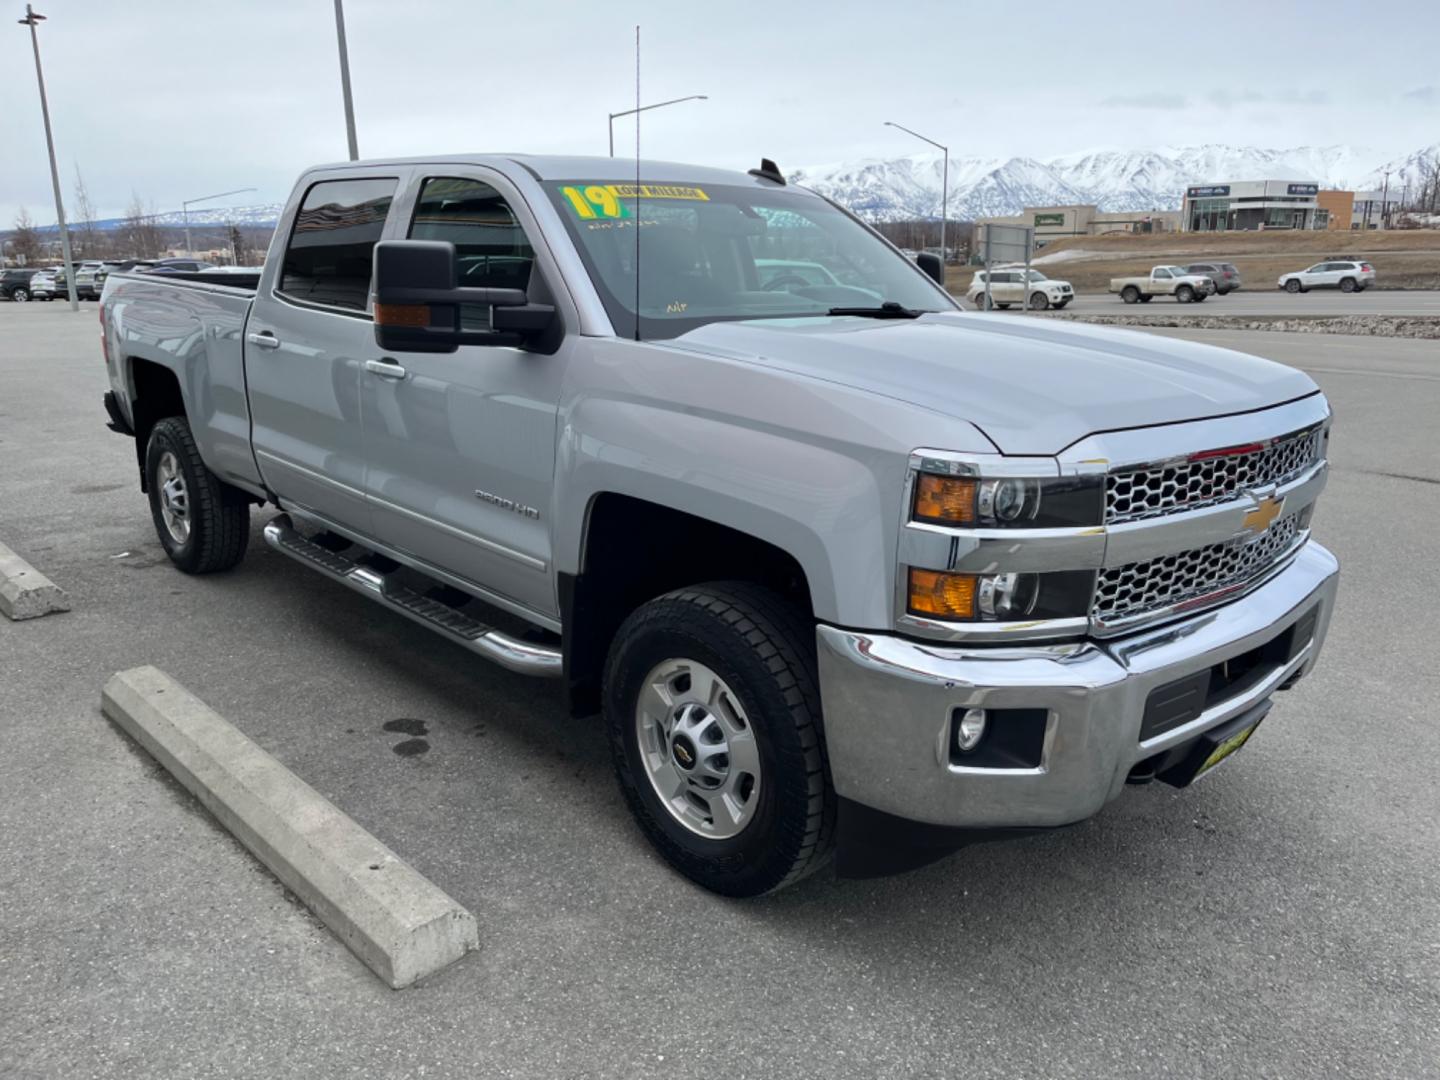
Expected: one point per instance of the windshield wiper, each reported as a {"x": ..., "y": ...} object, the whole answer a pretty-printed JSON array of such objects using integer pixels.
[{"x": 888, "y": 310}]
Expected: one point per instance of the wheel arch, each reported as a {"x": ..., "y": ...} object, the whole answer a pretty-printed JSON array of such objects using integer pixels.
[{"x": 155, "y": 393}]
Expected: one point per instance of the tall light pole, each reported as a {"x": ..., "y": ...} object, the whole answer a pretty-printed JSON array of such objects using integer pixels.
[
  {"x": 345, "y": 80},
  {"x": 944, "y": 183},
  {"x": 646, "y": 108},
  {"x": 185, "y": 211},
  {"x": 33, "y": 19}
]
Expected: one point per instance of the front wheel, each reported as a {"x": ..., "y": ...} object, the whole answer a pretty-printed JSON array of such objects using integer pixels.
[
  {"x": 1184, "y": 294},
  {"x": 713, "y": 710},
  {"x": 203, "y": 523},
  {"x": 1292, "y": 286},
  {"x": 1039, "y": 301}
]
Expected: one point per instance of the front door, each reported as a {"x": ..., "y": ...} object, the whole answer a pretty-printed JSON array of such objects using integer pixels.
[
  {"x": 306, "y": 341},
  {"x": 460, "y": 448}
]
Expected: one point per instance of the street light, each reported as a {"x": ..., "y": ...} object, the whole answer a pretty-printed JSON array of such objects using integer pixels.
[
  {"x": 345, "y": 80},
  {"x": 185, "y": 211},
  {"x": 646, "y": 108},
  {"x": 33, "y": 19},
  {"x": 944, "y": 182}
]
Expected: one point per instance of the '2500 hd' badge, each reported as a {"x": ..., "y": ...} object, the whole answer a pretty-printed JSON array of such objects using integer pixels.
[{"x": 508, "y": 504}]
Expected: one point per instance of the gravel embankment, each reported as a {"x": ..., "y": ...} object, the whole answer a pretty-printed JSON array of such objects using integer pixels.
[{"x": 1406, "y": 326}]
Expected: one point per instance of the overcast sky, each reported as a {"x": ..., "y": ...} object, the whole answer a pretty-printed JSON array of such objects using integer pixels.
[{"x": 174, "y": 99}]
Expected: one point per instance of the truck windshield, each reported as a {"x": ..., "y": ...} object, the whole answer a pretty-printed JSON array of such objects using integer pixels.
[{"x": 719, "y": 252}]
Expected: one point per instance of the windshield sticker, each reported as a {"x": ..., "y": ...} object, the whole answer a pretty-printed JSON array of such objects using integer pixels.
[{"x": 594, "y": 201}]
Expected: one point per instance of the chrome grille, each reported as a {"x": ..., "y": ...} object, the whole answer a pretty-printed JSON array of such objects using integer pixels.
[
  {"x": 1189, "y": 485},
  {"x": 1137, "y": 588}
]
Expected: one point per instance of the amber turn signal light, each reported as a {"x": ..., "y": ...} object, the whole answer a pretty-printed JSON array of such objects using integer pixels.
[
  {"x": 945, "y": 499},
  {"x": 402, "y": 314},
  {"x": 946, "y": 596}
]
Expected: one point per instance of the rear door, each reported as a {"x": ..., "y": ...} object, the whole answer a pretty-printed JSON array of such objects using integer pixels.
[
  {"x": 461, "y": 446},
  {"x": 306, "y": 341}
]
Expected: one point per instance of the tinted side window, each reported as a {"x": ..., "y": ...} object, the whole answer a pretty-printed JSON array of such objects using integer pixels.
[
  {"x": 328, "y": 259},
  {"x": 491, "y": 249}
]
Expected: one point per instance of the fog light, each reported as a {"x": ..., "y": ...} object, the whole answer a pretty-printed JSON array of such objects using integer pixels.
[{"x": 971, "y": 730}]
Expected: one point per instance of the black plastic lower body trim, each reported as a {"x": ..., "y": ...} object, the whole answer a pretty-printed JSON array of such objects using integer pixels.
[{"x": 118, "y": 423}]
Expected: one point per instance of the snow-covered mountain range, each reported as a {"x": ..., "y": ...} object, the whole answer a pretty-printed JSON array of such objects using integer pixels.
[{"x": 1116, "y": 180}]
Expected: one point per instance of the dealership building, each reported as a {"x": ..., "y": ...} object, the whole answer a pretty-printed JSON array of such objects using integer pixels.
[{"x": 1250, "y": 204}]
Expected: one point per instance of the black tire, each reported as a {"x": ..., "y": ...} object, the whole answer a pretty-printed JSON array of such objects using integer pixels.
[
  {"x": 20, "y": 295},
  {"x": 1184, "y": 294},
  {"x": 1061, "y": 305},
  {"x": 1002, "y": 307},
  {"x": 763, "y": 647},
  {"x": 1292, "y": 286},
  {"x": 1039, "y": 301},
  {"x": 1130, "y": 294},
  {"x": 1347, "y": 284},
  {"x": 218, "y": 514}
]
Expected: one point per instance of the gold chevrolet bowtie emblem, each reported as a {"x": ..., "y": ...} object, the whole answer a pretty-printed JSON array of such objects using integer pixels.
[{"x": 1259, "y": 519}]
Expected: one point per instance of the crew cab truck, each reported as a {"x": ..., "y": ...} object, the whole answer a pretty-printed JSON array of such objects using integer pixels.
[
  {"x": 1174, "y": 281},
  {"x": 846, "y": 571}
]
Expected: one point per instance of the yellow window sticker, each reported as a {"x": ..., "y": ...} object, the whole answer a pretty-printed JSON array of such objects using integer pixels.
[{"x": 602, "y": 201}]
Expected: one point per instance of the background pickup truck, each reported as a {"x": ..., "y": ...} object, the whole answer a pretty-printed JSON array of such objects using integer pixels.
[
  {"x": 1173, "y": 281},
  {"x": 844, "y": 569}
]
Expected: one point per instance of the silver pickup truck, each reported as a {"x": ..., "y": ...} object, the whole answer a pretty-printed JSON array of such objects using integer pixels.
[{"x": 847, "y": 571}]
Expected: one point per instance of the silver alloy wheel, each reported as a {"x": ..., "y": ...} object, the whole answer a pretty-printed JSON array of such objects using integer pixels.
[
  {"x": 698, "y": 749},
  {"x": 174, "y": 499},
  {"x": 20, "y": 296}
]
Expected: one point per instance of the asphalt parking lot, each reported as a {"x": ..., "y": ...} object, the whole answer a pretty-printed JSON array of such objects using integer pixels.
[{"x": 1278, "y": 920}]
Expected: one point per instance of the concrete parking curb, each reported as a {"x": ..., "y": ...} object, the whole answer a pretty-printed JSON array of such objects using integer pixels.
[
  {"x": 25, "y": 593},
  {"x": 396, "y": 921}
]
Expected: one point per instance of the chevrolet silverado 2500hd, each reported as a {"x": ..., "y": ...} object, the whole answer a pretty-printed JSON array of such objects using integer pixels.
[{"x": 845, "y": 569}]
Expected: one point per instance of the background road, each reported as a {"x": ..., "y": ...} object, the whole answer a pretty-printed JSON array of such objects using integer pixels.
[
  {"x": 1278, "y": 920},
  {"x": 1265, "y": 301}
]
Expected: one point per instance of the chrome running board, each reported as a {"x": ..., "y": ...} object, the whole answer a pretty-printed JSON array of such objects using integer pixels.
[{"x": 509, "y": 652}]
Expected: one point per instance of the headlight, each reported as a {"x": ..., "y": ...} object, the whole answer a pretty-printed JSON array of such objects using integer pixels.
[
  {"x": 1007, "y": 502},
  {"x": 939, "y": 594}
]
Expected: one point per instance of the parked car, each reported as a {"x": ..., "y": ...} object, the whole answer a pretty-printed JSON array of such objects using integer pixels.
[
  {"x": 42, "y": 285},
  {"x": 778, "y": 273},
  {"x": 1009, "y": 286},
  {"x": 1225, "y": 276},
  {"x": 838, "y": 573},
  {"x": 1173, "y": 281},
  {"x": 15, "y": 284},
  {"x": 1347, "y": 275},
  {"x": 119, "y": 266},
  {"x": 85, "y": 272}
]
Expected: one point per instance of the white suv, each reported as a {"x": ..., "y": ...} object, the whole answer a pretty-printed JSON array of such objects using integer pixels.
[
  {"x": 1347, "y": 275},
  {"x": 1009, "y": 287}
]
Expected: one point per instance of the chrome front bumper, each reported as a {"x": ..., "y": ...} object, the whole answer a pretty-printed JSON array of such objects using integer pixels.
[{"x": 888, "y": 704}]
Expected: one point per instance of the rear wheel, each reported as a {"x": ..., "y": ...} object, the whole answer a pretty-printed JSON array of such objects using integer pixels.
[
  {"x": 713, "y": 710},
  {"x": 203, "y": 523},
  {"x": 20, "y": 295},
  {"x": 1184, "y": 294},
  {"x": 1130, "y": 294},
  {"x": 1347, "y": 284},
  {"x": 1039, "y": 301}
]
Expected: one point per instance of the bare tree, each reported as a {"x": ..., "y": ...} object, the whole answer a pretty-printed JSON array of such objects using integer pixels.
[
  {"x": 88, "y": 240},
  {"x": 140, "y": 232},
  {"x": 25, "y": 239}
]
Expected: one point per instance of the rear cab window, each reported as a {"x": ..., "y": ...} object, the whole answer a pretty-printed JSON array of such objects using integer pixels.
[{"x": 328, "y": 258}]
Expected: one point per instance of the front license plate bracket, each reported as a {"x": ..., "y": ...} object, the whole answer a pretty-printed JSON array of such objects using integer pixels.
[{"x": 1212, "y": 747}]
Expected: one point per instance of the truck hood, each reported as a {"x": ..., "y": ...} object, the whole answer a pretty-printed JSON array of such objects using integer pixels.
[{"x": 1033, "y": 386}]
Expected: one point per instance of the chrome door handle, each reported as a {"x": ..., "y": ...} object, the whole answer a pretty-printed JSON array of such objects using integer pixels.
[
  {"x": 264, "y": 340},
  {"x": 387, "y": 369}
]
